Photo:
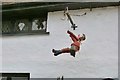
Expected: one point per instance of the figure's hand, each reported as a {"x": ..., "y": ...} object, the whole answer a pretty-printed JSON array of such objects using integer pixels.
[{"x": 68, "y": 31}]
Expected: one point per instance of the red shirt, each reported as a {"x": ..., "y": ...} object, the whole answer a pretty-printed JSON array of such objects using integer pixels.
[{"x": 75, "y": 40}]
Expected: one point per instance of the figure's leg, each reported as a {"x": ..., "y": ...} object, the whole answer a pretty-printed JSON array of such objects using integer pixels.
[
  {"x": 65, "y": 50},
  {"x": 57, "y": 52},
  {"x": 73, "y": 50}
]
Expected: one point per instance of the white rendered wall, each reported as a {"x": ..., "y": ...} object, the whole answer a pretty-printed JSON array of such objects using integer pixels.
[{"x": 98, "y": 57}]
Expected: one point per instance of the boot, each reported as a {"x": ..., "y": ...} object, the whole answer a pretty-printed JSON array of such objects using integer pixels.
[
  {"x": 72, "y": 53},
  {"x": 56, "y": 52}
]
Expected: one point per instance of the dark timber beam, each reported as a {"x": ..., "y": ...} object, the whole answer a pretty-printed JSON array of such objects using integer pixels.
[{"x": 31, "y": 9}]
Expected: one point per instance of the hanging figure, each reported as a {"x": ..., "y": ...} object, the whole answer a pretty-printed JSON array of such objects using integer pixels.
[{"x": 75, "y": 46}]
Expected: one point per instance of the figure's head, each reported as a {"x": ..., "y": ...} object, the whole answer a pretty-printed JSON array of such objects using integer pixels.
[{"x": 82, "y": 38}]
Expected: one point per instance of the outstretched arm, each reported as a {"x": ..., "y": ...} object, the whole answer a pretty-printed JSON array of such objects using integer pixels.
[{"x": 74, "y": 38}]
